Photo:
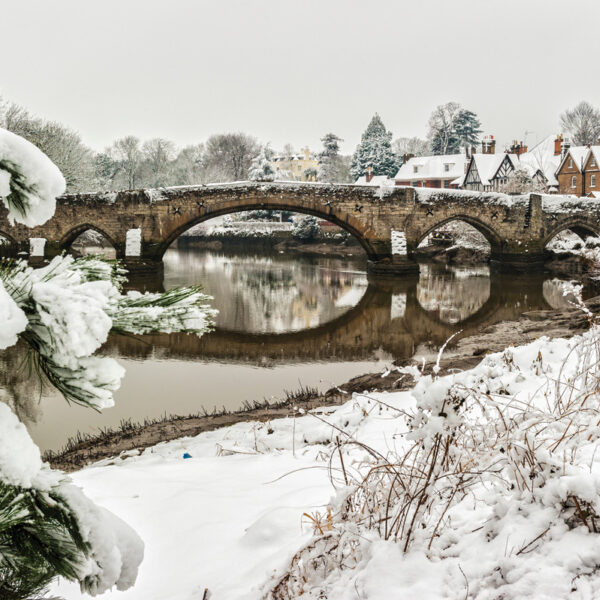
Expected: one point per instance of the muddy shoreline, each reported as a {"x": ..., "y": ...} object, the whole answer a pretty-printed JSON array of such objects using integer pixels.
[{"x": 465, "y": 354}]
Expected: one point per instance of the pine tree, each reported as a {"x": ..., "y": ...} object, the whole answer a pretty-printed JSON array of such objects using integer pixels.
[
  {"x": 375, "y": 151},
  {"x": 467, "y": 128},
  {"x": 329, "y": 159},
  {"x": 63, "y": 312}
]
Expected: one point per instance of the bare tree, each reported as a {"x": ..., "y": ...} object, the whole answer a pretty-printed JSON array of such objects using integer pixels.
[
  {"x": 442, "y": 128},
  {"x": 61, "y": 144},
  {"x": 158, "y": 155},
  {"x": 228, "y": 156},
  {"x": 414, "y": 145},
  {"x": 188, "y": 166},
  {"x": 581, "y": 124},
  {"x": 127, "y": 153}
]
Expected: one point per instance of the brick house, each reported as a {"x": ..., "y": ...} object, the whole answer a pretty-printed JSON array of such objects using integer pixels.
[
  {"x": 439, "y": 171},
  {"x": 591, "y": 172},
  {"x": 571, "y": 174}
]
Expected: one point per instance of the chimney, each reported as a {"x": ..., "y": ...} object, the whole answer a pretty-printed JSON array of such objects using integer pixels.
[
  {"x": 558, "y": 145},
  {"x": 306, "y": 153},
  {"x": 518, "y": 148},
  {"x": 406, "y": 158},
  {"x": 488, "y": 145},
  {"x": 368, "y": 174}
]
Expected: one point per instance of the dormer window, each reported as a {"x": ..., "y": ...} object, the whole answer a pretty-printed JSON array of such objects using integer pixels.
[
  {"x": 415, "y": 169},
  {"x": 447, "y": 167}
]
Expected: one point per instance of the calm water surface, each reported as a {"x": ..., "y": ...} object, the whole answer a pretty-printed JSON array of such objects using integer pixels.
[{"x": 283, "y": 322}]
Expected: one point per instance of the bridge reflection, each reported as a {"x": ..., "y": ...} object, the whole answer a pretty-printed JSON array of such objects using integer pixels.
[{"x": 392, "y": 317}]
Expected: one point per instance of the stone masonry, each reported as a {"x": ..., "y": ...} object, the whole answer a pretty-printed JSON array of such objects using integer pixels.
[{"x": 517, "y": 227}]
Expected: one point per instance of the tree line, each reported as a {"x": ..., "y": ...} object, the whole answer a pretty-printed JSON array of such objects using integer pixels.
[{"x": 130, "y": 163}]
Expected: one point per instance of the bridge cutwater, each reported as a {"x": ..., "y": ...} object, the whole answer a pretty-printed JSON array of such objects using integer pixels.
[{"x": 389, "y": 222}]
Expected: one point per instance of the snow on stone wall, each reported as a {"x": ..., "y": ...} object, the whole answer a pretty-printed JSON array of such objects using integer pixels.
[
  {"x": 133, "y": 242},
  {"x": 36, "y": 246},
  {"x": 398, "y": 243},
  {"x": 398, "y": 307}
]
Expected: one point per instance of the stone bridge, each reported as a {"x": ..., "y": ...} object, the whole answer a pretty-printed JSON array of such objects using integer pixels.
[{"x": 388, "y": 222}]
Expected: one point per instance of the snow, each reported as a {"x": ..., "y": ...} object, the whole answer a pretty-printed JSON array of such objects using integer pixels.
[
  {"x": 36, "y": 246},
  {"x": 398, "y": 243},
  {"x": 376, "y": 180},
  {"x": 231, "y": 518},
  {"x": 432, "y": 167},
  {"x": 13, "y": 319},
  {"x": 133, "y": 242},
  {"x": 541, "y": 157},
  {"x": 40, "y": 174},
  {"x": 20, "y": 460}
]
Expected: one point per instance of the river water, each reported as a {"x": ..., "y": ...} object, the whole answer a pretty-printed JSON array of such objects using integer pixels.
[{"x": 284, "y": 322}]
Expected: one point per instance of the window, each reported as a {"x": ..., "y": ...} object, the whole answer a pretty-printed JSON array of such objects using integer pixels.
[
  {"x": 573, "y": 181},
  {"x": 593, "y": 181},
  {"x": 414, "y": 183},
  {"x": 570, "y": 163},
  {"x": 447, "y": 167},
  {"x": 446, "y": 183},
  {"x": 593, "y": 163},
  {"x": 415, "y": 169}
]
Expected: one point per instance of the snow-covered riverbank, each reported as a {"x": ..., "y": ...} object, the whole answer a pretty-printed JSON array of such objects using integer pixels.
[{"x": 231, "y": 517}]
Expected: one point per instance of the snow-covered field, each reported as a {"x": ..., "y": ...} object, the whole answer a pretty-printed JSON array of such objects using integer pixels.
[{"x": 293, "y": 505}]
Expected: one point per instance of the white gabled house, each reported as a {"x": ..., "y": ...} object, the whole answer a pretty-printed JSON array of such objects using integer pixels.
[{"x": 440, "y": 171}]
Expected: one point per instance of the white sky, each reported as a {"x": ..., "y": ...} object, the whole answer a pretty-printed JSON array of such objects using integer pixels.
[{"x": 290, "y": 71}]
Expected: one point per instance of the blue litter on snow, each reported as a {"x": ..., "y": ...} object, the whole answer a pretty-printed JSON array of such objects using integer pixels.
[{"x": 187, "y": 455}]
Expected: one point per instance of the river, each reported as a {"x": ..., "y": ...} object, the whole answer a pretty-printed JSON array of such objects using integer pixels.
[{"x": 284, "y": 322}]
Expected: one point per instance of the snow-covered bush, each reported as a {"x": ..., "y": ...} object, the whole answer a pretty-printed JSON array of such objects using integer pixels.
[
  {"x": 65, "y": 312},
  {"x": 306, "y": 228},
  {"x": 494, "y": 470}
]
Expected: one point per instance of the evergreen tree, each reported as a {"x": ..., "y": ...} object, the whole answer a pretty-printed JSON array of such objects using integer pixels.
[
  {"x": 261, "y": 168},
  {"x": 452, "y": 128},
  {"x": 63, "y": 312},
  {"x": 468, "y": 128},
  {"x": 329, "y": 159},
  {"x": 375, "y": 151}
]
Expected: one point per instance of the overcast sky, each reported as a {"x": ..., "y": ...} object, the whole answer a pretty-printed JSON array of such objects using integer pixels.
[{"x": 290, "y": 71}]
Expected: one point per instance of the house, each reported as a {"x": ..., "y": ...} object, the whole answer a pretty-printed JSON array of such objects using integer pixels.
[
  {"x": 489, "y": 172},
  {"x": 370, "y": 179},
  {"x": 439, "y": 171},
  {"x": 302, "y": 166},
  {"x": 543, "y": 160},
  {"x": 571, "y": 174}
]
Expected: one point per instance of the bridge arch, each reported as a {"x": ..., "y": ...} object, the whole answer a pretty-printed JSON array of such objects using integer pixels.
[
  {"x": 488, "y": 233},
  {"x": 68, "y": 238},
  {"x": 347, "y": 222},
  {"x": 578, "y": 225}
]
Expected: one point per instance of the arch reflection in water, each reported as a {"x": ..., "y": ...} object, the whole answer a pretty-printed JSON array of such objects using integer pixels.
[{"x": 351, "y": 328}]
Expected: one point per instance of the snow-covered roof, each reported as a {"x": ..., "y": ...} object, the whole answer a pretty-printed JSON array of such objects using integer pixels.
[
  {"x": 375, "y": 180},
  {"x": 594, "y": 194},
  {"x": 487, "y": 166},
  {"x": 577, "y": 153},
  {"x": 433, "y": 167},
  {"x": 542, "y": 158}
]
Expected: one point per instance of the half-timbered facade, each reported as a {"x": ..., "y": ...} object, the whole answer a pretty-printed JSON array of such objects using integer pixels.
[{"x": 487, "y": 172}]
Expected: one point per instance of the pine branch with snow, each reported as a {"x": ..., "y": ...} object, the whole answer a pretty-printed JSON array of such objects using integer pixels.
[{"x": 65, "y": 312}]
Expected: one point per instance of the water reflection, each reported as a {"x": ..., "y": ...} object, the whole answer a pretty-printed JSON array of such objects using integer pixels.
[
  {"x": 269, "y": 293},
  {"x": 283, "y": 321}
]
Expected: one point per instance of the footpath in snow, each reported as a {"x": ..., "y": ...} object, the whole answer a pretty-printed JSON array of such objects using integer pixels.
[{"x": 489, "y": 479}]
